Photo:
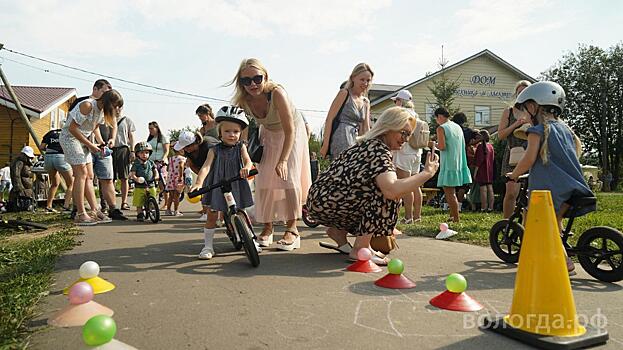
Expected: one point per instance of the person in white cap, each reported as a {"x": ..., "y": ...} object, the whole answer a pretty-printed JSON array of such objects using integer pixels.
[
  {"x": 21, "y": 196},
  {"x": 407, "y": 161},
  {"x": 195, "y": 148},
  {"x": 403, "y": 96}
]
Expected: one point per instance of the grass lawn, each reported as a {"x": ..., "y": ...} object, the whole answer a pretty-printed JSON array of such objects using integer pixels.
[
  {"x": 474, "y": 227},
  {"x": 26, "y": 265}
]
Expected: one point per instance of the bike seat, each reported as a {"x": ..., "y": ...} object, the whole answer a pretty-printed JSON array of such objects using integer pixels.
[{"x": 580, "y": 206}]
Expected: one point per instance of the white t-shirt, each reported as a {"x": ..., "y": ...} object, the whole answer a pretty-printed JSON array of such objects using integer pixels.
[{"x": 5, "y": 174}]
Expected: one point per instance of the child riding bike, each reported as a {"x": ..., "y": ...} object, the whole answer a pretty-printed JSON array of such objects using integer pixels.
[
  {"x": 144, "y": 174},
  {"x": 553, "y": 150},
  {"x": 226, "y": 159}
]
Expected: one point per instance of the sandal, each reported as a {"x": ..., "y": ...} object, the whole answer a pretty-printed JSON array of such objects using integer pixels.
[
  {"x": 344, "y": 249},
  {"x": 83, "y": 219},
  {"x": 125, "y": 206},
  {"x": 100, "y": 217},
  {"x": 295, "y": 244},
  {"x": 264, "y": 239}
]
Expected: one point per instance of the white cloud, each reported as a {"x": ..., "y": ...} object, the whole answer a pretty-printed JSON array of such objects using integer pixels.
[
  {"x": 485, "y": 22},
  {"x": 260, "y": 18},
  {"x": 64, "y": 29},
  {"x": 332, "y": 47}
]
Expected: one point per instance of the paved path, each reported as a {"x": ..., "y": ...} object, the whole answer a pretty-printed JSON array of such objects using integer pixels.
[{"x": 166, "y": 299}]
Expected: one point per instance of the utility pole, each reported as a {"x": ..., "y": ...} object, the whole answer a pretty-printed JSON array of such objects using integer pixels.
[{"x": 18, "y": 105}]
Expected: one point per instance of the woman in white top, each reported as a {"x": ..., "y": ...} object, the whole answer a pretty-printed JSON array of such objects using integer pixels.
[
  {"x": 82, "y": 122},
  {"x": 160, "y": 146}
]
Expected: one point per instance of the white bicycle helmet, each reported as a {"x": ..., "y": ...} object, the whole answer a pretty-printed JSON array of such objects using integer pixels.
[
  {"x": 232, "y": 114},
  {"x": 548, "y": 94}
]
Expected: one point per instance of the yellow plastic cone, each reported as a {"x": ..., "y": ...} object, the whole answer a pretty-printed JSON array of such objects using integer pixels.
[
  {"x": 543, "y": 312},
  {"x": 99, "y": 285},
  {"x": 542, "y": 286}
]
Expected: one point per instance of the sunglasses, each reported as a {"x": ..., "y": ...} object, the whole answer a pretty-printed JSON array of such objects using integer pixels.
[
  {"x": 246, "y": 81},
  {"x": 405, "y": 135}
]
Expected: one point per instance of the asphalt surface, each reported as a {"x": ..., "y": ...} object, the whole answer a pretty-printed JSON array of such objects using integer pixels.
[{"x": 167, "y": 299}]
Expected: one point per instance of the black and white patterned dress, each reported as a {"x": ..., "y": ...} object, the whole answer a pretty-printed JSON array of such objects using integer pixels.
[{"x": 346, "y": 196}]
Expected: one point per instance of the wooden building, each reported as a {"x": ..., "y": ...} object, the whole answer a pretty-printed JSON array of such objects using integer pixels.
[
  {"x": 486, "y": 88},
  {"x": 46, "y": 109}
]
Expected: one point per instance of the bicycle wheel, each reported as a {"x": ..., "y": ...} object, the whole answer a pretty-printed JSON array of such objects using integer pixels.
[
  {"x": 245, "y": 234},
  {"x": 600, "y": 252},
  {"x": 505, "y": 240},
  {"x": 153, "y": 211},
  {"x": 308, "y": 220}
]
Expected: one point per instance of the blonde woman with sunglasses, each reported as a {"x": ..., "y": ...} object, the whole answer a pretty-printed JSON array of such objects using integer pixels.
[{"x": 284, "y": 171}]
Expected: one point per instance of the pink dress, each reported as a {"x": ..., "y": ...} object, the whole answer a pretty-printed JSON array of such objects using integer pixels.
[
  {"x": 176, "y": 172},
  {"x": 276, "y": 199}
]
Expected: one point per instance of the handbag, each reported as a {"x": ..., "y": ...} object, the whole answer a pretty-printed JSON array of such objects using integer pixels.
[
  {"x": 383, "y": 244},
  {"x": 516, "y": 154},
  {"x": 336, "y": 122},
  {"x": 254, "y": 147}
]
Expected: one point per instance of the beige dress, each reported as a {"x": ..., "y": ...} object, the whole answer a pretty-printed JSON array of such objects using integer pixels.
[{"x": 276, "y": 199}]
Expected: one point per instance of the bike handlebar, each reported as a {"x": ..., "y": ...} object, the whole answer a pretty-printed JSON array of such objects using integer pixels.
[{"x": 219, "y": 184}]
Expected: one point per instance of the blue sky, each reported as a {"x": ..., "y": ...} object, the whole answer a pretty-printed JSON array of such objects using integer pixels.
[{"x": 309, "y": 47}]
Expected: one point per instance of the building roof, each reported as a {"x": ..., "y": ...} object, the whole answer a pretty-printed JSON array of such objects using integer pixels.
[
  {"x": 430, "y": 76},
  {"x": 37, "y": 101},
  {"x": 384, "y": 87}
]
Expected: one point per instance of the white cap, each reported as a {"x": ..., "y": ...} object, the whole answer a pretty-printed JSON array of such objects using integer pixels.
[
  {"x": 27, "y": 150},
  {"x": 404, "y": 95},
  {"x": 186, "y": 138}
]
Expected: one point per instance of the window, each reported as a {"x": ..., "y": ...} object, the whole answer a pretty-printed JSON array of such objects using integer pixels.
[
  {"x": 53, "y": 120},
  {"x": 430, "y": 109},
  {"x": 61, "y": 118},
  {"x": 482, "y": 115}
]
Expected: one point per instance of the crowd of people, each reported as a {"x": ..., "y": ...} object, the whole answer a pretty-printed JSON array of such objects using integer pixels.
[{"x": 374, "y": 169}]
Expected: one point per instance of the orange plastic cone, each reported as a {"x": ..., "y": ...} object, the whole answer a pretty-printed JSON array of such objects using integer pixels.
[
  {"x": 78, "y": 315},
  {"x": 543, "y": 311}
]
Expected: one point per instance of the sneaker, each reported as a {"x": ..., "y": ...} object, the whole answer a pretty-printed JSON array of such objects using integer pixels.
[
  {"x": 203, "y": 218},
  {"x": 140, "y": 217},
  {"x": 168, "y": 212},
  {"x": 206, "y": 253},
  {"x": 50, "y": 210},
  {"x": 177, "y": 213},
  {"x": 116, "y": 214}
]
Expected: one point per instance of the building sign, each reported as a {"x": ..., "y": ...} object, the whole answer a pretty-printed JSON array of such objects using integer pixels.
[
  {"x": 482, "y": 80},
  {"x": 505, "y": 95}
]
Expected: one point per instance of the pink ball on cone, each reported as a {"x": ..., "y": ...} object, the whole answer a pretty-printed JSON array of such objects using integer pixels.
[
  {"x": 364, "y": 254},
  {"x": 443, "y": 226},
  {"x": 80, "y": 293}
]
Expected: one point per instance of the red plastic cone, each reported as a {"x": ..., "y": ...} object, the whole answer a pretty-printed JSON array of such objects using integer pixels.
[
  {"x": 455, "y": 302},
  {"x": 364, "y": 266},
  {"x": 395, "y": 282}
]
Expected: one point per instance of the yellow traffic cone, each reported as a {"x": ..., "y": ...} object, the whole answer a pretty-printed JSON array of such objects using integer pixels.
[
  {"x": 99, "y": 285},
  {"x": 543, "y": 311}
]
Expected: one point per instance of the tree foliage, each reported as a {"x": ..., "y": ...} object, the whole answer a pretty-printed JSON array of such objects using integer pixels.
[
  {"x": 444, "y": 91},
  {"x": 593, "y": 81}
]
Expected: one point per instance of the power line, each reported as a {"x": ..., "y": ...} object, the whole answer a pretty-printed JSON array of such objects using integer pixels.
[
  {"x": 123, "y": 80},
  {"x": 87, "y": 80},
  {"x": 114, "y": 78}
]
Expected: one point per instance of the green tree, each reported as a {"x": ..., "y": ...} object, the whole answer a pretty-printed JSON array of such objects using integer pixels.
[
  {"x": 444, "y": 91},
  {"x": 593, "y": 81}
]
